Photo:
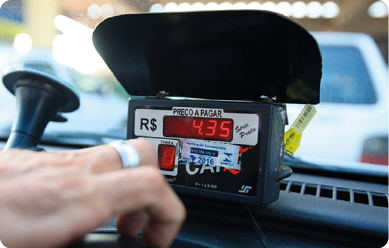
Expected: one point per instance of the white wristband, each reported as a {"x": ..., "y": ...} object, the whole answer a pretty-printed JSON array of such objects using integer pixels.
[{"x": 127, "y": 152}]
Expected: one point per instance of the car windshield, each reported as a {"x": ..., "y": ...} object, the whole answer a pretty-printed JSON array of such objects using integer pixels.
[
  {"x": 349, "y": 130},
  {"x": 345, "y": 77}
]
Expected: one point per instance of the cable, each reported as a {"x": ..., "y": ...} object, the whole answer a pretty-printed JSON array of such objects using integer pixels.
[{"x": 257, "y": 229}]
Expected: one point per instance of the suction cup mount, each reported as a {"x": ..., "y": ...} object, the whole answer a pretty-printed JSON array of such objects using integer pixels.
[{"x": 39, "y": 97}]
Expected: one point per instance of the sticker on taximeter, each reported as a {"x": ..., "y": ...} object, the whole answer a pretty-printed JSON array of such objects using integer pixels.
[{"x": 211, "y": 153}]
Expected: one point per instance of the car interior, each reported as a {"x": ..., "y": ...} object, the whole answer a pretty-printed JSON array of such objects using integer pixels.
[{"x": 237, "y": 67}]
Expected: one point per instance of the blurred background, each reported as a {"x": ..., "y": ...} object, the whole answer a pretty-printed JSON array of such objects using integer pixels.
[{"x": 53, "y": 24}]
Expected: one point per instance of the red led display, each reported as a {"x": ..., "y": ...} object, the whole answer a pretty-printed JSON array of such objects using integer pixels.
[
  {"x": 198, "y": 128},
  {"x": 166, "y": 155}
]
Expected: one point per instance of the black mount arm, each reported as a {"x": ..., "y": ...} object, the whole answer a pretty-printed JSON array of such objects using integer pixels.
[{"x": 39, "y": 97}]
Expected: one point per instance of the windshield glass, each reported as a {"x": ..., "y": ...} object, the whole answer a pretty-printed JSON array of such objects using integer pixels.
[
  {"x": 345, "y": 76},
  {"x": 351, "y": 124}
]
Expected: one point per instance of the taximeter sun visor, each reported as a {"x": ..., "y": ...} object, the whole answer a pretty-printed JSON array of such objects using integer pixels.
[{"x": 229, "y": 55}]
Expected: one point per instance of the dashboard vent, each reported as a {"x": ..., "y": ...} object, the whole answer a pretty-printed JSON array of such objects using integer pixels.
[{"x": 378, "y": 199}]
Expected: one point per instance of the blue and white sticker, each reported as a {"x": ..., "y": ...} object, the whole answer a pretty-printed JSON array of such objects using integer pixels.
[{"x": 211, "y": 153}]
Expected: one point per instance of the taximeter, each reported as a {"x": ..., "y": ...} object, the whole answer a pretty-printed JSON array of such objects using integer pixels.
[{"x": 226, "y": 150}]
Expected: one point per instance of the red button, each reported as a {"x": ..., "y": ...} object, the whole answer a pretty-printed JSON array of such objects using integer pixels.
[{"x": 166, "y": 157}]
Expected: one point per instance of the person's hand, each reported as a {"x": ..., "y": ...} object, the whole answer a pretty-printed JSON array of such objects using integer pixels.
[{"x": 51, "y": 199}]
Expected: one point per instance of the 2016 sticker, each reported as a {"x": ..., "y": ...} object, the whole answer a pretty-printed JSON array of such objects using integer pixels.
[{"x": 211, "y": 153}]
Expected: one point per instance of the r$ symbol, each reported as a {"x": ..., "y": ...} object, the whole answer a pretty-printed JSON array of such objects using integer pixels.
[{"x": 153, "y": 125}]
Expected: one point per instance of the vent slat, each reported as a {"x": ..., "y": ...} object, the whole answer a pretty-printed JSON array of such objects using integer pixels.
[
  {"x": 288, "y": 187},
  {"x": 303, "y": 187},
  {"x": 318, "y": 189},
  {"x": 351, "y": 195},
  {"x": 344, "y": 194},
  {"x": 370, "y": 197}
]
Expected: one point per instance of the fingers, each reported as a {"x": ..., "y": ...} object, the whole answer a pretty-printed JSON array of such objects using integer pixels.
[
  {"x": 146, "y": 151},
  {"x": 154, "y": 206},
  {"x": 105, "y": 158},
  {"x": 132, "y": 224},
  {"x": 143, "y": 188}
]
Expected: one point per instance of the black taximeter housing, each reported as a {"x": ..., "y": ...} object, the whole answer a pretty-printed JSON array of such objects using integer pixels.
[{"x": 257, "y": 183}]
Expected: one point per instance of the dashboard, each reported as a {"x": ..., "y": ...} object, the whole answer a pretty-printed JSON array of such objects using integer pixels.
[
  {"x": 297, "y": 219},
  {"x": 312, "y": 211}
]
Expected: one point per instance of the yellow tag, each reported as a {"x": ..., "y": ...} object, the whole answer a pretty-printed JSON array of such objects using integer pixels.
[
  {"x": 304, "y": 118},
  {"x": 293, "y": 136}
]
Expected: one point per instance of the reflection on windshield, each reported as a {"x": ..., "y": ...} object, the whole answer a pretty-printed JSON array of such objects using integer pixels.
[{"x": 345, "y": 77}]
